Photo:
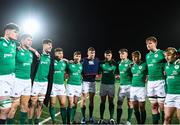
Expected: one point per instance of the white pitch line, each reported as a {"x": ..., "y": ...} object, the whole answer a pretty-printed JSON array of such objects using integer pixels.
[{"x": 49, "y": 118}]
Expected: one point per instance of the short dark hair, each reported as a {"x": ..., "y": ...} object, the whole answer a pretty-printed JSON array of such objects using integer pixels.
[
  {"x": 47, "y": 41},
  {"x": 58, "y": 50},
  {"x": 24, "y": 36},
  {"x": 123, "y": 50},
  {"x": 91, "y": 49},
  {"x": 11, "y": 26},
  {"x": 108, "y": 52},
  {"x": 77, "y": 53},
  {"x": 151, "y": 38}
]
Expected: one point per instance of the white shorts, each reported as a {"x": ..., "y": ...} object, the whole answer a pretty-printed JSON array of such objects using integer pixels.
[
  {"x": 7, "y": 83},
  {"x": 39, "y": 88},
  {"x": 58, "y": 90},
  {"x": 21, "y": 87},
  {"x": 124, "y": 91},
  {"x": 156, "y": 88},
  {"x": 138, "y": 94},
  {"x": 73, "y": 90},
  {"x": 172, "y": 100},
  {"x": 88, "y": 87},
  {"x": 107, "y": 90}
]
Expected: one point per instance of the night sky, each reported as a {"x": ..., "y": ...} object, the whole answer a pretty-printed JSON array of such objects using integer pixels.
[{"x": 79, "y": 24}]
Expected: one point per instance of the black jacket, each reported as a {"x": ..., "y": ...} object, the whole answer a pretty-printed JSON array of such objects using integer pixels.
[{"x": 34, "y": 68}]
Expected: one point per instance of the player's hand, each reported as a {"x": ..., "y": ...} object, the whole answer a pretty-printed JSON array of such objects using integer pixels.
[{"x": 37, "y": 54}]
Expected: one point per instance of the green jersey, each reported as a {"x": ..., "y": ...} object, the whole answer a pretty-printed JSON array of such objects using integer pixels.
[
  {"x": 74, "y": 71},
  {"x": 43, "y": 68},
  {"x": 108, "y": 69},
  {"x": 139, "y": 72},
  {"x": 7, "y": 56},
  {"x": 173, "y": 77},
  {"x": 59, "y": 70},
  {"x": 125, "y": 72},
  {"x": 155, "y": 62},
  {"x": 23, "y": 64}
]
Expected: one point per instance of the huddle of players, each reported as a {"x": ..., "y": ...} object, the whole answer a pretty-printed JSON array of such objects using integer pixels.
[{"x": 19, "y": 69}]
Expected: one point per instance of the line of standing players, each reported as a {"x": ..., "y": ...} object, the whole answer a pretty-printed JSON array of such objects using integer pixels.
[{"x": 22, "y": 65}]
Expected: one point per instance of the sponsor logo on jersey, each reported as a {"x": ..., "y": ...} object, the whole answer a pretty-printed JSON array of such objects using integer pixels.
[
  {"x": 44, "y": 62},
  {"x": 91, "y": 62},
  {"x": 22, "y": 54},
  {"x": 8, "y": 55}
]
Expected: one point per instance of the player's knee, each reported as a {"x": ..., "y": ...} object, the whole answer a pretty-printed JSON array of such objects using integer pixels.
[
  {"x": 53, "y": 104},
  {"x": 155, "y": 106},
  {"x": 167, "y": 117},
  {"x": 161, "y": 100},
  {"x": 153, "y": 100},
  {"x": 33, "y": 101},
  {"x": 119, "y": 104}
]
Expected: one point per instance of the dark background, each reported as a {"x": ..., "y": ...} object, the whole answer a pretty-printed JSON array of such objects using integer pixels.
[{"x": 113, "y": 24}]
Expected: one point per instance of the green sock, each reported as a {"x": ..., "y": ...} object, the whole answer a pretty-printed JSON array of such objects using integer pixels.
[
  {"x": 36, "y": 121},
  {"x": 143, "y": 117},
  {"x": 111, "y": 110},
  {"x": 91, "y": 111},
  {"x": 102, "y": 108},
  {"x": 119, "y": 113},
  {"x": 162, "y": 116},
  {"x": 10, "y": 121},
  {"x": 52, "y": 112},
  {"x": 137, "y": 115},
  {"x": 130, "y": 111},
  {"x": 155, "y": 118},
  {"x": 63, "y": 114},
  {"x": 69, "y": 110},
  {"x": 73, "y": 113},
  {"x": 23, "y": 117},
  {"x": 30, "y": 121},
  {"x": 83, "y": 110}
]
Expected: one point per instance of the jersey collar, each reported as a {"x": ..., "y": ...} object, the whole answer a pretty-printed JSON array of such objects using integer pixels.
[{"x": 7, "y": 41}]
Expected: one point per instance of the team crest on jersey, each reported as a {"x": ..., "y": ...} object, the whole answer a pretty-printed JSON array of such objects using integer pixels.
[
  {"x": 4, "y": 44},
  {"x": 140, "y": 67},
  {"x": 156, "y": 55},
  {"x": 176, "y": 66},
  {"x": 73, "y": 66},
  {"x": 167, "y": 67},
  {"x": 22, "y": 54},
  {"x": 55, "y": 64},
  {"x": 126, "y": 65}
]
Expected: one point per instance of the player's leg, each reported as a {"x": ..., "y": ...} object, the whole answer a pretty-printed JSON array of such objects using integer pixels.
[
  {"x": 160, "y": 92},
  {"x": 178, "y": 114},
  {"x": 52, "y": 110},
  {"x": 24, "y": 101},
  {"x": 169, "y": 111},
  {"x": 142, "y": 112},
  {"x": 15, "y": 104},
  {"x": 32, "y": 106},
  {"x": 141, "y": 96},
  {"x": 111, "y": 93},
  {"x": 136, "y": 111},
  {"x": 39, "y": 108},
  {"x": 120, "y": 101},
  {"x": 69, "y": 109},
  {"x": 24, "y": 108},
  {"x": 85, "y": 88},
  {"x": 62, "y": 102},
  {"x": 5, "y": 106},
  {"x": 61, "y": 95},
  {"x": 91, "y": 107},
  {"x": 103, "y": 94},
  {"x": 153, "y": 100},
  {"x": 130, "y": 104}
]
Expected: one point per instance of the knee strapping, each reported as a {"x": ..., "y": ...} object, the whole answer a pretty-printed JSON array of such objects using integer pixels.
[{"x": 5, "y": 103}]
